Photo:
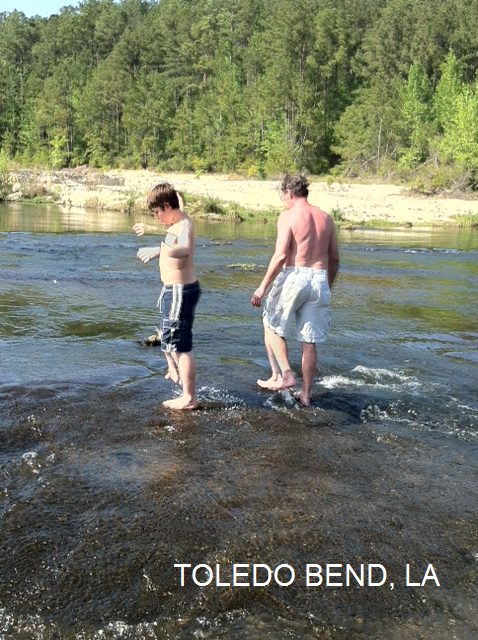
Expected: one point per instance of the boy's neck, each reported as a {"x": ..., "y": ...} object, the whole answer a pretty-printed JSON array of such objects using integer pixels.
[{"x": 175, "y": 216}]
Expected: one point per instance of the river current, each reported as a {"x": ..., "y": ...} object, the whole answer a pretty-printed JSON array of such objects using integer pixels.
[{"x": 360, "y": 510}]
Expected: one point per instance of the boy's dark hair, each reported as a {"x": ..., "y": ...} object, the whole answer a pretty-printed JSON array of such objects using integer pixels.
[
  {"x": 298, "y": 185},
  {"x": 163, "y": 193}
]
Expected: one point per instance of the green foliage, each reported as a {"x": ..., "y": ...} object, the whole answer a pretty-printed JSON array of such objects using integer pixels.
[
  {"x": 460, "y": 140},
  {"x": 448, "y": 90},
  {"x": 213, "y": 205},
  {"x": 377, "y": 87},
  {"x": 5, "y": 179},
  {"x": 337, "y": 215},
  {"x": 368, "y": 131},
  {"x": 466, "y": 220},
  {"x": 415, "y": 117}
]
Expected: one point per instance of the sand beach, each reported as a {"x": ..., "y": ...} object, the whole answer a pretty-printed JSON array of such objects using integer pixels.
[{"x": 357, "y": 203}]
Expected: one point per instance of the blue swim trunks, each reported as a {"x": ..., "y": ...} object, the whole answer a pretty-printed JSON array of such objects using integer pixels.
[{"x": 177, "y": 304}]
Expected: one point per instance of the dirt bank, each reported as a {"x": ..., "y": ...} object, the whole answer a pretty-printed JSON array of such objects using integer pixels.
[{"x": 126, "y": 190}]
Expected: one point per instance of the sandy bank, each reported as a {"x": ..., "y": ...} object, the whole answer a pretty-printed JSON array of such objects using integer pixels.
[{"x": 126, "y": 190}]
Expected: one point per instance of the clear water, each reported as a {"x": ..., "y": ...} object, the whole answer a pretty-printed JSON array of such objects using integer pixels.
[{"x": 103, "y": 491}]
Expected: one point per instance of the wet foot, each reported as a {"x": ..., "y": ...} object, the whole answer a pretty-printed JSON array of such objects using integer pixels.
[
  {"x": 265, "y": 384},
  {"x": 277, "y": 383},
  {"x": 185, "y": 404},
  {"x": 303, "y": 399}
]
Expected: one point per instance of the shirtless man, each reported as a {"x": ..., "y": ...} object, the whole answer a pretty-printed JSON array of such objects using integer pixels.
[
  {"x": 180, "y": 293},
  {"x": 303, "y": 267}
]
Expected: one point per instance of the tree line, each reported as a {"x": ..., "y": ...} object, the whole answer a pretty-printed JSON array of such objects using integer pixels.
[{"x": 258, "y": 87}]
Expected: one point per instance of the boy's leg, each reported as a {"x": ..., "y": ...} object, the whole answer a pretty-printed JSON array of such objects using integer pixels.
[
  {"x": 187, "y": 371},
  {"x": 173, "y": 367},
  {"x": 181, "y": 347}
]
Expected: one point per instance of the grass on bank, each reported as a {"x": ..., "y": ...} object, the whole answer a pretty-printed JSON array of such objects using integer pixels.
[
  {"x": 466, "y": 220},
  {"x": 212, "y": 207}
]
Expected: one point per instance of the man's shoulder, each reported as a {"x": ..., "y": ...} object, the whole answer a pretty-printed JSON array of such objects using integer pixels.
[
  {"x": 318, "y": 211},
  {"x": 304, "y": 212}
]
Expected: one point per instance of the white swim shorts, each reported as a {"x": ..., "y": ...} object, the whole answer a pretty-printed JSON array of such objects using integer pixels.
[{"x": 304, "y": 293}]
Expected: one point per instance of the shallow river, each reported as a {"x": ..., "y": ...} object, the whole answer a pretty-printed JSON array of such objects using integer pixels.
[{"x": 103, "y": 491}]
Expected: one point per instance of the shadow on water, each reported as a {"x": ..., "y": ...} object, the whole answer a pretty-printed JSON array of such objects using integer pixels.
[{"x": 104, "y": 491}]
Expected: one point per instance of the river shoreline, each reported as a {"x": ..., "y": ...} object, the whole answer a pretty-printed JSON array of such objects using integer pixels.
[{"x": 126, "y": 190}]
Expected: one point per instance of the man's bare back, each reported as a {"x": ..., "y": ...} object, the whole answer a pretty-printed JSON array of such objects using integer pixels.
[{"x": 313, "y": 236}]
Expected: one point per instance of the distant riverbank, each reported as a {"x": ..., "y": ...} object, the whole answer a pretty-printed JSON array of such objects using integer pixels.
[{"x": 126, "y": 190}]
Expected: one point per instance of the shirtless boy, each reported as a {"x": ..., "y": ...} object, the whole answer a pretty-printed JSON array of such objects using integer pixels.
[
  {"x": 180, "y": 293},
  {"x": 303, "y": 267}
]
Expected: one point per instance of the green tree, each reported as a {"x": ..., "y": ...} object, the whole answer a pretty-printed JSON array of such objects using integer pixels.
[
  {"x": 416, "y": 117},
  {"x": 367, "y": 136},
  {"x": 17, "y": 36},
  {"x": 448, "y": 90},
  {"x": 100, "y": 112},
  {"x": 460, "y": 140},
  {"x": 148, "y": 118}
]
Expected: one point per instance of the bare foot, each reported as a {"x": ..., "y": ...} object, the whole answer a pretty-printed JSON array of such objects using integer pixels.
[
  {"x": 173, "y": 375},
  {"x": 277, "y": 383},
  {"x": 303, "y": 399},
  {"x": 273, "y": 380},
  {"x": 182, "y": 402}
]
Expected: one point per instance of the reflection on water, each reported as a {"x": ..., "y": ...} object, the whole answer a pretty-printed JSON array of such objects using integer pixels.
[
  {"x": 104, "y": 491},
  {"x": 53, "y": 219},
  {"x": 37, "y": 218}
]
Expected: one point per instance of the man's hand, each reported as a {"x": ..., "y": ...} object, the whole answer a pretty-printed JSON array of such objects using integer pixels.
[
  {"x": 257, "y": 296},
  {"x": 145, "y": 254}
]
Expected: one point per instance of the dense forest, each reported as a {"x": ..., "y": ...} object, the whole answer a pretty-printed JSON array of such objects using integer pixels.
[{"x": 358, "y": 87}]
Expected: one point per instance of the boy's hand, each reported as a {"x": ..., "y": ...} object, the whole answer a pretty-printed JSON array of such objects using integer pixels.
[
  {"x": 139, "y": 228},
  {"x": 145, "y": 254}
]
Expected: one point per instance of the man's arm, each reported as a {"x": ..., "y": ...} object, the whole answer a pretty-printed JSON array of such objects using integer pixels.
[
  {"x": 333, "y": 259},
  {"x": 284, "y": 235}
]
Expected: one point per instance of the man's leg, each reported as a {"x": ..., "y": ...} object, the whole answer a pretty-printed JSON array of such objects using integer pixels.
[
  {"x": 187, "y": 371},
  {"x": 282, "y": 376},
  {"x": 275, "y": 369},
  {"x": 309, "y": 367}
]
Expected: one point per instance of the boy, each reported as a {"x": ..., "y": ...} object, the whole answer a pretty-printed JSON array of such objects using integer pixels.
[{"x": 180, "y": 293}]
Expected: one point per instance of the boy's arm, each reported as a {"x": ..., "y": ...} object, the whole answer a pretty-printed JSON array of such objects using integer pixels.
[
  {"x": 145, "y": 254},
  {"x": 140, "y": 228},
  {"x": 276, "y": 263},
  {"x": 180, "y": 245}
]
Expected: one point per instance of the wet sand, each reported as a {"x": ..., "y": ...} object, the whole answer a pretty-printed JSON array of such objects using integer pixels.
[{"x": 123, "y": 189}]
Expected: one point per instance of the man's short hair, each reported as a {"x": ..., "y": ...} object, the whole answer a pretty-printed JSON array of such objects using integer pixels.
[
  {"x": 297, "y": 185},
  {"x": 163, "y": 193}
]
